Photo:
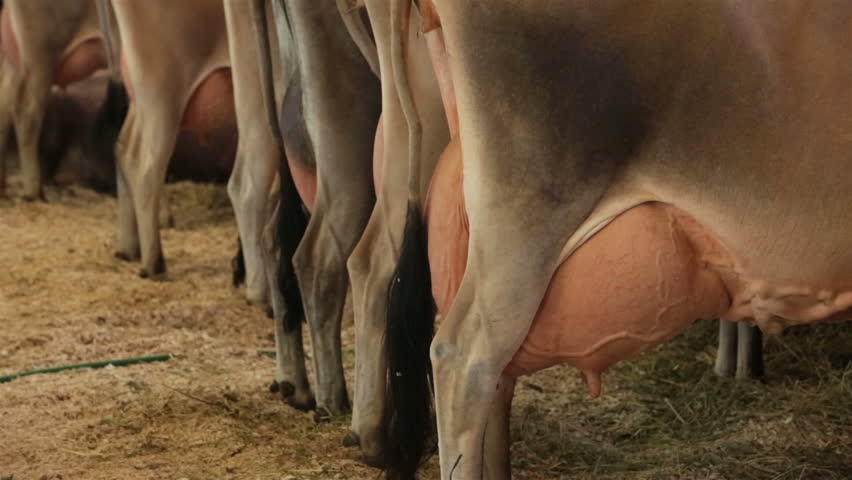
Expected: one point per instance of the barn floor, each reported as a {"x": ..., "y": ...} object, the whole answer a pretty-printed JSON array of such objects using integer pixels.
[{"x": 207, "y": 413}]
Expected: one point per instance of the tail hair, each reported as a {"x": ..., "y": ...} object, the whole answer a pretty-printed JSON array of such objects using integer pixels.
[
  {"x": 410, "y": 328},
  {"x": 291, "y": 224}
]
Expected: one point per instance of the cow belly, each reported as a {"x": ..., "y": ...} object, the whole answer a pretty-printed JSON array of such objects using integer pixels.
[
  {"x": 81, "y": 62},
  {"x": 634, "y": 284}
]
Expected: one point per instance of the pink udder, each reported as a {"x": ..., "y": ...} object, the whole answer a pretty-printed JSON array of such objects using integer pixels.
[
  {"x": 211, "y": 106},
  {"x": 86, "y": 58},
  {"x": 634, "y": 284},
  {"x": 446, "y": 226},
  {"x": 305, "y": 178}
]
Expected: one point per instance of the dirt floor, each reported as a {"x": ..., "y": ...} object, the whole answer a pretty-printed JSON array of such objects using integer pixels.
[{"x": 207, "y": 413}]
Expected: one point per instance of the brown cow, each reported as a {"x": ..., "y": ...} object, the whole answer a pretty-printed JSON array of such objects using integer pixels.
[
  {"x": 178, "y": 81},
  {"x": 327, "y": 123},
  {"x": 45, "y": 43},
  {"x": 627, "y": 169}
]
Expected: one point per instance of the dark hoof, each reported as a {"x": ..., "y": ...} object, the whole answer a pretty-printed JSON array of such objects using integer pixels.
[
  {"x": 269, "y": 313},
  {"x": 351, "y": 440},
  {"x": 302, "y": 406},
  {"x": 287, "y": 389},
  {"x": 322, "y": 415},
  {"x": 159, "y": 269}
]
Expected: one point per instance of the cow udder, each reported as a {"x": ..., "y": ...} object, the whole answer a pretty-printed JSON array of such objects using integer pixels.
[{"x": 634, "y": 284}]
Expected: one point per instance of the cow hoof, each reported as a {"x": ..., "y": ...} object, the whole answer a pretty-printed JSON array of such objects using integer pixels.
[
  {"x": 351, "y": 440},
  {"x": 269, "y": 313},
  {"x": 304, "y": 403},
  {"x": 159, "y": 269},
  {"x": 286, "y": 389},
  {"x": 322, "y": 415}
]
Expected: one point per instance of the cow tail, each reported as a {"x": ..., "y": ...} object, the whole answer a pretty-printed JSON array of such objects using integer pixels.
[
  {"x": 292, "y": 221},
  {"x": 101, "y": 144},
  {"x": 113, "y": 113},
  {"x": 411, "y": 312}
]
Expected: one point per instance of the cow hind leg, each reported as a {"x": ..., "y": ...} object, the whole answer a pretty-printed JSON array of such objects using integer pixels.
[
  {"x": 497, "y": 432},
  {"x": 371, "y": 267},
  {"x": 144, "y": 160},
  {"x": 8, "y": 91},
  {"x": 291, "y": 377},
  {"x": 29, "y": 115},
  {"x": 128, "y": 233},
  {"x": 248, "y": 189},
  {"x": 320, "y": 262},
  {"x": 480, "y": 334}
]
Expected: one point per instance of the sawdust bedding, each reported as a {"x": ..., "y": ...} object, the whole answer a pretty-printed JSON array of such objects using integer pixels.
[{"x": 207, "y": 413}]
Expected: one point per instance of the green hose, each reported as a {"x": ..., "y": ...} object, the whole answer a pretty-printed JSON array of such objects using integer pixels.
[{"x": 115, "y": 363}]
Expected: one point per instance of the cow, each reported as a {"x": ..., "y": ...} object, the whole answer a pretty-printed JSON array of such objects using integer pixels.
[
  {"x": 178, "y": 81},
  {"x": 372, "y": 264},
  {"x": 258, "y": 152},
  {"x": 372, "y": 268},
  {"x": 326, "y": 126},
  {"x": 45, "y": 43},
  {"x": 619, "y": 172}
]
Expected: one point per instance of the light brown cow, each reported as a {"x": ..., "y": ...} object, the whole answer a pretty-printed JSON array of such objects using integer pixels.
[
  {"x": 327, "y": 123},
  {"x": 175, "y": 66},
  {"x": 372, "y": 264},
  {"x": 44, "y": 43},
  {"x": 258, "y": 150},
  {"x": 622, "y": 170},
  {"x": 739, "y": 353}
]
